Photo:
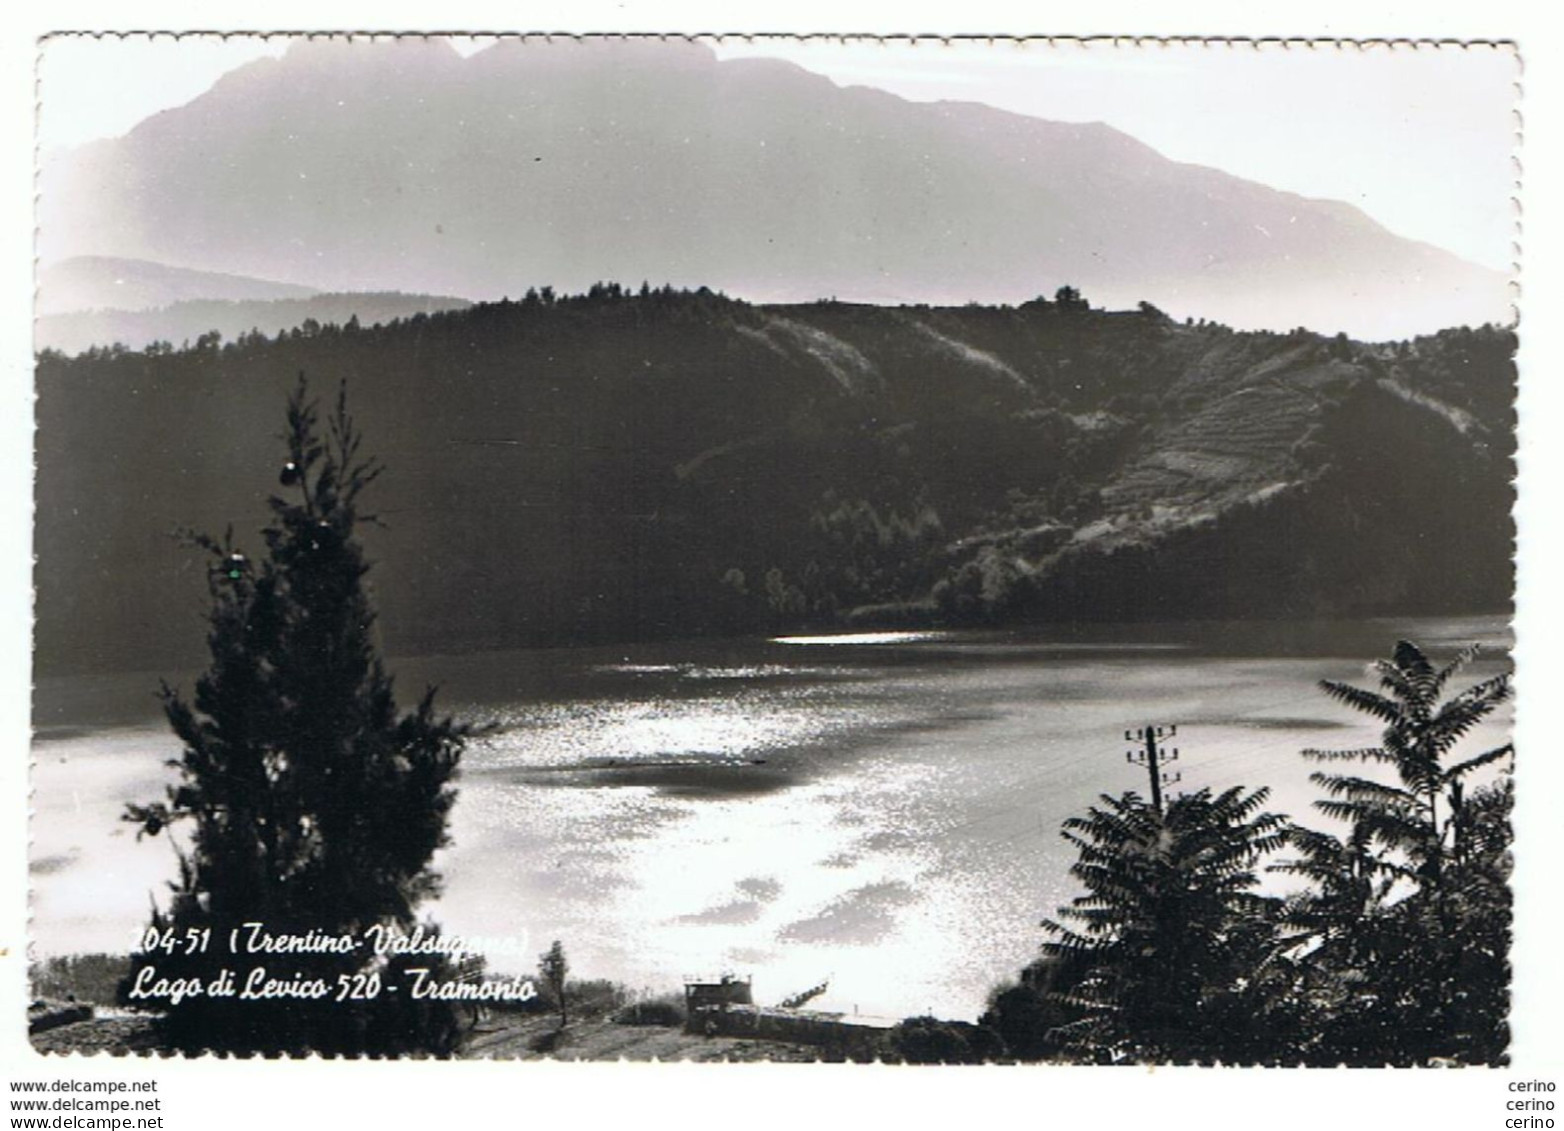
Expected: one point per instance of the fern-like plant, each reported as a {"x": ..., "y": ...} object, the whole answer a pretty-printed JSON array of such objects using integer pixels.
[
  {"x": 1403, "y": 927},
  {"x": 1421, "y": 814},
  {"x": 1171, "y": 949}
]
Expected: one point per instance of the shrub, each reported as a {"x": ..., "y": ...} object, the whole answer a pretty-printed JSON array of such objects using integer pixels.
[{"x": 928, "y": 1040}]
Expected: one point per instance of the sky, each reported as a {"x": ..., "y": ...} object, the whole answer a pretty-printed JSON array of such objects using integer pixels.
[{"x": 1420, "y": 138}]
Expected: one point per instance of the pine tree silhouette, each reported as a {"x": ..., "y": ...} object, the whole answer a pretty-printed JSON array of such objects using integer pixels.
[{"x": 313, "y": 804}]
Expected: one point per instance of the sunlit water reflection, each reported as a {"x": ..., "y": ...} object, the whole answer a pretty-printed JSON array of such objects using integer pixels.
[{"x": 881, "y": 810}]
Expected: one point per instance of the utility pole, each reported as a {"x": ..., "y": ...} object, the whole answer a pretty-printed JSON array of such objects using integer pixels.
[{"x": 1153, "y": 758}]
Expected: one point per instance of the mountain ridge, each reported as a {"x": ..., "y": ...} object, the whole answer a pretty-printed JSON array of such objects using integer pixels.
[
  {"x": 186, "y": 321},
  {"x": 99, "y": 282},
  {"x": 378, "y": 167}
]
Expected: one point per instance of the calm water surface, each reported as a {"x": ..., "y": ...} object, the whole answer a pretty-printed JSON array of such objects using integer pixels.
[{"x": 879, "y": 811}]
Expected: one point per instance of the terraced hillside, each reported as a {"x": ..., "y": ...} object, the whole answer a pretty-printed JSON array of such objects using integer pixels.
[{"x": 630, "y": 465}]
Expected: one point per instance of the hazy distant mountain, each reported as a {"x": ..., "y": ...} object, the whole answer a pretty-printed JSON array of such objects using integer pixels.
[
  {"x": 96, "y": 282},
  {"x": 183, "y": 322},
  {"x": 402, "y": 166},
  {"x": 661, "y": 465}
]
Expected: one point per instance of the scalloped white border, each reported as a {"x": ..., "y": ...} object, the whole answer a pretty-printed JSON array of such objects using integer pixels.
[{"x": 320, "y": 1094}]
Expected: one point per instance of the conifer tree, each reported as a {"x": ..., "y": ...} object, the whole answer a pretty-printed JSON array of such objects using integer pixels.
[{"x": 313, "y": 806}]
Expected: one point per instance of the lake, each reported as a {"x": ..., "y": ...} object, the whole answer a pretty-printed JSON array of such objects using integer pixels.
[{"x": 880, "y": 810}]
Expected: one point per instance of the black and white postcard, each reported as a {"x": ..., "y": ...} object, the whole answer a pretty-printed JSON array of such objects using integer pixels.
[{"x": 708, "y": 548}]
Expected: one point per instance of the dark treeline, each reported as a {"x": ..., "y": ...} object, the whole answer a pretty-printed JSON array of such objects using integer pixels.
[{"x": 645, "y": 463}]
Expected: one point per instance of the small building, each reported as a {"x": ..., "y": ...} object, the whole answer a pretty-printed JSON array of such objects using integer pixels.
[{"x": 703, "y": 999}]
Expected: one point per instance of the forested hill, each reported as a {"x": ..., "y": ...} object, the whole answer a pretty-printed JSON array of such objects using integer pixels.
[{"x": 621, "y": 466}]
